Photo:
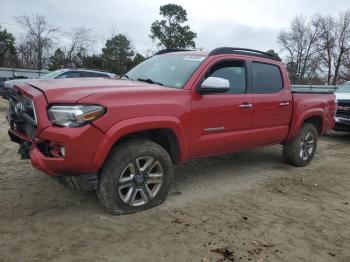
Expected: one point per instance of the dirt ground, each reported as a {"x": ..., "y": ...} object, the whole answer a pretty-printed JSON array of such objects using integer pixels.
[{"x": 247, "y": 206}]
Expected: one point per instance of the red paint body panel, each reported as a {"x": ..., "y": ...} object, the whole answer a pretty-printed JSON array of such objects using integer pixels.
[
  {"x": 134, "y": 106},
  {"x": 220, "y": 111},
  {"x": 80, "y": 146},
  {"x": 133, "y": 125},
  {"x": 311, "y": 105},
  {"x": 70, "y": 90},
  {"x": 272, "y": 115}
]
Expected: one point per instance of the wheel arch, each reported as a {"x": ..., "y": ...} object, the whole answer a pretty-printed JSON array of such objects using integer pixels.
[
  {"x": 165, "y": 137},
  {"x": 166, "y": 131},
  {"x": 317, "y": 121},
  {"x": 313, "y": 116}
]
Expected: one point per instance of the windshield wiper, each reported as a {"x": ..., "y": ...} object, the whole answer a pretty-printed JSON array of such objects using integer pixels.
[{"x": 148, "y": 80}]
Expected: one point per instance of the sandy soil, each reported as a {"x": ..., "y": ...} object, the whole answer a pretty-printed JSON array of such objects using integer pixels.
[
  {"x": 3, "y": 105},
  {"x": 247, "y": 206}
]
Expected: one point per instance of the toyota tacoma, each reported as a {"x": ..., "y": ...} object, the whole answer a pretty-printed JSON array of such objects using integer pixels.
[{"x": 122, "y": 137}]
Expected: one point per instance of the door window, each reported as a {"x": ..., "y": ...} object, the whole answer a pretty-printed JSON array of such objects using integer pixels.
[
  {"x": 266, "y": 78},
  {"x": 234, "y": 72}
]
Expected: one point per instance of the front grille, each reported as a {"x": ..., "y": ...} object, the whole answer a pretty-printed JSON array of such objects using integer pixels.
[
  {"x": 21, "y": 114},
  {"x": 22, "y": 108},
  {"x": 343, "y": 109}
]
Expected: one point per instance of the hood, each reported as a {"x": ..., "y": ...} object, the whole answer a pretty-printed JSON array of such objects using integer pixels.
[
  {"x": 9, "y": 83},
  {"x": 74, "y": 89},
  {"x": 5, "y": 87}
]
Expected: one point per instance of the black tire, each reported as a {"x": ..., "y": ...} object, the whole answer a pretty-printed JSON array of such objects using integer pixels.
[
  {"x": 292, "y": 150},
  {"x": 123, "y": 156}
]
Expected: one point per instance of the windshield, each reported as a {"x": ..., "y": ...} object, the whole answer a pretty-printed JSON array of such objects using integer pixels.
[
  {"x": 172, "y": 70},
  {"x": 344, "y": 89},
  {"x": 51, "y": 75}
]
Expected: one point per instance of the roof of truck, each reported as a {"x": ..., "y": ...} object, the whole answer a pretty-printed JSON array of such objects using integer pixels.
[{"x": 222, "y": 51}]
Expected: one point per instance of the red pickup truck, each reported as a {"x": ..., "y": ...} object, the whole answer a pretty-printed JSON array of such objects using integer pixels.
[{"x": 122, "y": 137}]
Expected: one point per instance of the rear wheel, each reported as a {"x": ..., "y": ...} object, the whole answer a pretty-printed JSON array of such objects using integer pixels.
[
  {"x": 301, "y": 149},
  {"x": 137, "y": 176}
]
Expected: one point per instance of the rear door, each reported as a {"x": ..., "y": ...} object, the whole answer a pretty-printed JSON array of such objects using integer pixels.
[
  {"x": 272, "y": 105},
  {"x": 221, "y": 121}
]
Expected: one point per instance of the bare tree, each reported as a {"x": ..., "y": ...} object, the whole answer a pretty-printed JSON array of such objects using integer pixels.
[
  {"x": 300, "y": 43},
  {"x": 79, "y": 44},
  {"x": 328, "y": 40},
  {"x": 346, "y": 72},
  {"x": 39, "y": 34},
  {"x": 326, "y": 43},
  {"x": 25, "y": 54},
  {"x": 342, "y": 48}
]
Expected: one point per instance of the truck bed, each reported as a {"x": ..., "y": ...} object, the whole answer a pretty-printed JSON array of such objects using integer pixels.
[
  {"x": 314, "y": 89},
  {"x": 305, "y": 102}
]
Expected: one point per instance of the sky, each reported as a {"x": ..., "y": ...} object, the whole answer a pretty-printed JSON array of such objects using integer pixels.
[{"x": 237, "y": 23}]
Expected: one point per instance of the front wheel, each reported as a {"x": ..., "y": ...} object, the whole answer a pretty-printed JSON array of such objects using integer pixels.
[
  {"x": 301, "y": 149},
  {"x": 136, "y": 176}
]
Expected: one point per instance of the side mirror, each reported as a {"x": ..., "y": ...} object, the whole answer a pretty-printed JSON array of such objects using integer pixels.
[{"x": 214, "y": 85}]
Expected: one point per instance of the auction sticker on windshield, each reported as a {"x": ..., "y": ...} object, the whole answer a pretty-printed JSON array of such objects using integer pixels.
[{"x": 194, "y": 58}]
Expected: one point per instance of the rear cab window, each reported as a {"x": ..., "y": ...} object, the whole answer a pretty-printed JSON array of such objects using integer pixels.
[{"x": 266, "y": 78}]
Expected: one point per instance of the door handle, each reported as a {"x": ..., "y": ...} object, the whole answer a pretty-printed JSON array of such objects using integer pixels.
[
  {"x": 245, "y": 106},
  {"x": 284, "y": 104}
]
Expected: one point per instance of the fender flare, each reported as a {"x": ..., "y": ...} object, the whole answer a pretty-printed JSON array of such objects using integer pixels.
[
  {"x": 319, "y": 112},
  {"x": 139, "y": 124}
]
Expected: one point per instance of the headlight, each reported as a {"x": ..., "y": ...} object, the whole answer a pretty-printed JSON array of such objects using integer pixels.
[{"x": 74, "y": 115}]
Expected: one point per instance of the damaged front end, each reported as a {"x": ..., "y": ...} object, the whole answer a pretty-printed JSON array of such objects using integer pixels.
[
  {"x": 46, "y": 145},
  {"x": 21, "y": 117}
]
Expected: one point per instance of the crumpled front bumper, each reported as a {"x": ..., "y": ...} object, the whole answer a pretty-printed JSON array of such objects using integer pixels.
[
  {"x": 80, "y": 146},
  {"x": 39, "y": 140}
]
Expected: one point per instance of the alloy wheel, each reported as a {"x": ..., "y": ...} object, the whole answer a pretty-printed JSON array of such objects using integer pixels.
[
  {"x": 140, "y": 181},
  {"x": 307, "y": 146}
]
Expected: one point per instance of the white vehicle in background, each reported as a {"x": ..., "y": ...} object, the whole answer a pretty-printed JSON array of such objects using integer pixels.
[
  {"x": 342, "y": 117},
  {"x": 59, "y": 74}
]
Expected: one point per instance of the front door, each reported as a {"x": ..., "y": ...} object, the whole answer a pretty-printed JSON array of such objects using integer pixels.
[{"x": 221, "y": 122}]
